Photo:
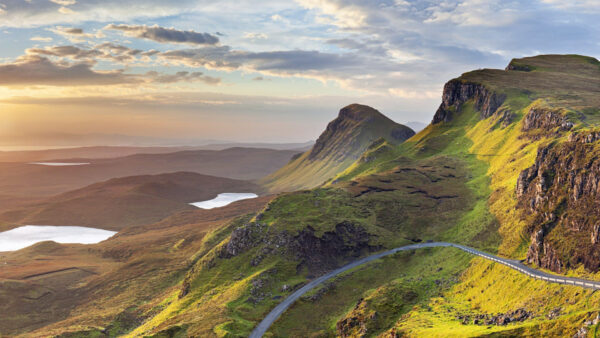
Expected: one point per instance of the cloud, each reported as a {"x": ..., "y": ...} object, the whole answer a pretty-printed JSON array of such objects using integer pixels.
[
  {"x": 183, "y": 77},
  {"x": 166, "y": 35},
  {"x": 475, "y": 13},
  {"x": 105, "y": 51},
  {"x": 338, "y": 12},
  {"x": 76, "y": 35},
  {"x": 20, "y": 13},
  {"x": 66, "y": 10},
  {"x": 64, "y": 2},
  {"x": 41, "y": 39},
  {"x": 255, "y": 36},
  {"x": 38, "y": 70},
  {"x": 65, "y": 51}
]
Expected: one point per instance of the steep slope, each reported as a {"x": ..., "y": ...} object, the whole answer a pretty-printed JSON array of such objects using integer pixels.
[
  {"x": 344, "y": 140},
  {"x": 123, "y": 202}
]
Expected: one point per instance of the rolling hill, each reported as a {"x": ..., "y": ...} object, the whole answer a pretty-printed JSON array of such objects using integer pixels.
[
  {"x": 342, "y": 143},
  {"x": 24, "y": 180},
  {"x": 128, "y": 201}
]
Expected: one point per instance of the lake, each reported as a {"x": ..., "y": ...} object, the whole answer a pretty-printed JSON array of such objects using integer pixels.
[
  {"x": 27, "y": 235},
  {"x": 223, "y": 199},
  {"x": 60, "y": 164}
]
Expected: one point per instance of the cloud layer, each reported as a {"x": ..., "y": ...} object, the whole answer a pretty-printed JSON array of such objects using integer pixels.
[
  {"x": 165, "y": 35},
  {"x": 394, "y": 54}
]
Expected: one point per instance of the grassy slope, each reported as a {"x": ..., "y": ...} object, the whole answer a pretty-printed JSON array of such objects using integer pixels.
[
  {"x": 389, "y": 205},
  {"x": 397, "y": 193},
  {"x": 497, "y": 155},
  {"x": 487, "y": 287}
]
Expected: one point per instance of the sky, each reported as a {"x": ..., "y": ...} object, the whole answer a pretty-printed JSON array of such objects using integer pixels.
[{"x": 79, "y": 72}]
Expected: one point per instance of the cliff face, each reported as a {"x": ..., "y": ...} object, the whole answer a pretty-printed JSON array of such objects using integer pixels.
[
  {"x": 546, "y": 119},
  {"x": 457, "y": 92},
  {"x": 562, "y": 193}
]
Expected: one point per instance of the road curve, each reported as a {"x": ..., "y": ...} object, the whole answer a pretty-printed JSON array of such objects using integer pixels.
[{"x": 264, "y": 325}]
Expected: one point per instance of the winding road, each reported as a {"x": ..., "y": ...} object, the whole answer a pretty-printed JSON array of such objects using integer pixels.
[{"x": 264, "y": 325}]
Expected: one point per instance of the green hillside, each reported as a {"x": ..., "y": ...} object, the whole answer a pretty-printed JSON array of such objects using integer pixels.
[
  {"x": 509, "y": 157},
  {"x": 342, "y": 143}
]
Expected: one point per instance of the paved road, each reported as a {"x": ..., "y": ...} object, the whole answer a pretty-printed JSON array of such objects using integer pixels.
[{"x": 264, "y": 325}]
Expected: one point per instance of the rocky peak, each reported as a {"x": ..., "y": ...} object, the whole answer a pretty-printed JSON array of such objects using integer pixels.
[
  {"x": 356, "y": 122},
  {"x": 456, "y": 92}
]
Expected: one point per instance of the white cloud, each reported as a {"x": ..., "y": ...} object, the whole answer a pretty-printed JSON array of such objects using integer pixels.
[
  {"x": 76, "y": 35},
  {"x": 64, "y": 2},
  {"x": 41, "y": 38},
  {"x": 493, "y": 13},
  {"x": 337, "y": 12},
  {"x": 255, "y": 36},
  {"x": 66, "y": 10}
]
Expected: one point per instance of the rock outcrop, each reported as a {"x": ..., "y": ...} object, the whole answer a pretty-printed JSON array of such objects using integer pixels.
[
  {"x": 456, "y": 92},
  {"x": 516, "y": 66},
  {"x": 316, "y": 253},
  {"x": 561, "y": 191},
  {"x": 546, "y": 120},
  {"x": 518, "y": 315}
]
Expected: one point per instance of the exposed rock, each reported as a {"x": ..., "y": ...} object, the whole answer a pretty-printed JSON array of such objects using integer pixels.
[
  {"x": 546, "y": 119},
  {"x": 185, "y": 289},
  {"x": 318, "y": 254},
  {"x": 356, "y": 324},
  {"x": 243, "y": 238},
  {"x": 457, "y": 92},
  {"x": 590, "y": 136},
  {"x": 515, "y": 66},
  {"x": 518, "y": 315},
  {"x": 323, "y": 253},
  {"x": 581, "y": 333},
  {"x": 555, "y": 313},
  {"x": 562, "y": 192},
  {"x": 505, "y": 117},
  {"x": 260, "y": 287}
]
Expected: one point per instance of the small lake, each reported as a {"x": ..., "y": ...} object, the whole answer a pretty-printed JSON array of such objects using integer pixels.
[
  {"x": 27, "y": 235},
  {"x": 60, "y": 164},
  {"x": 223, "y": 199}
]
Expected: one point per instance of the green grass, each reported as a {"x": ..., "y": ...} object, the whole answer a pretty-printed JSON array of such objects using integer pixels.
[{"x": 453, "y": 181}]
